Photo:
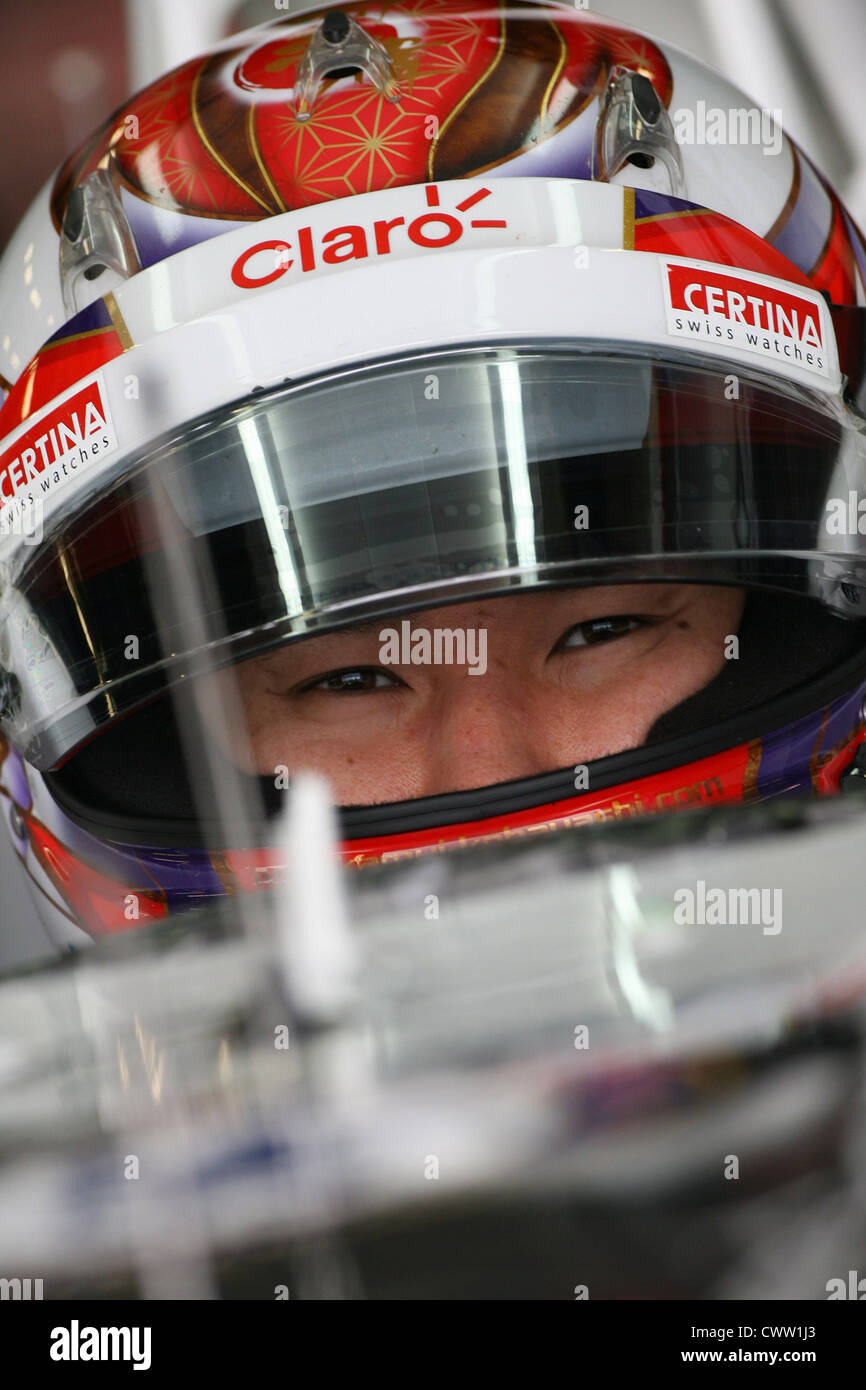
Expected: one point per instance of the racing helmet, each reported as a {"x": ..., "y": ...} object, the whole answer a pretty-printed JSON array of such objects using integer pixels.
[{"x": 382, "y": 309}]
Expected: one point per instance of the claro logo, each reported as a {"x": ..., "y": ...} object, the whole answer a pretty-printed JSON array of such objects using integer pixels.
[{"x": 266, "y": 261}]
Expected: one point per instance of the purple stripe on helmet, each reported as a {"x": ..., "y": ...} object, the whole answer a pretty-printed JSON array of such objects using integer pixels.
[
  {"x": 14, "y": 779},
  {"x": 858, "y": 246},
  {"x": 786, "y": 755},
  {"x": 94, "y": 316},
  {"x": 178, "y": 872},
  {"x": 159, "y": 233},
  {"x": 804, "y": 234},
  {"x": 565, "y": 155},
  {"x": 650, "y": 204}
]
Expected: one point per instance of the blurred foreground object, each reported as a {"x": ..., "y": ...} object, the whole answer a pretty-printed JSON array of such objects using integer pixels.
[{"x": 550, "y": 1085}]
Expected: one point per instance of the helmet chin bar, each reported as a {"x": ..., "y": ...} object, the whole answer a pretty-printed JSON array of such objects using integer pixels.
[
  {"x": 807, "y": 757},
  {"x": 732, "y": 776}
]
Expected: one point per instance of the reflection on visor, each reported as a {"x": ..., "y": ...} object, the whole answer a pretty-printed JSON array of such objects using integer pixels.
[{"x": 413, "y": 485}]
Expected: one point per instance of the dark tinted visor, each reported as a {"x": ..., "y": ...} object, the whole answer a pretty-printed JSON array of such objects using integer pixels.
[{"x": 417, "y": 484}]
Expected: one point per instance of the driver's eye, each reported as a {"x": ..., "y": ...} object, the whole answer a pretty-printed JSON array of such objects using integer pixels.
[
  {"x": 596, "y": 630},
  {"x": 354, "y": 680}
]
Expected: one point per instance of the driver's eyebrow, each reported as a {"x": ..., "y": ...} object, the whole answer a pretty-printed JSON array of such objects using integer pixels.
[{"x": 365, "y": 626}]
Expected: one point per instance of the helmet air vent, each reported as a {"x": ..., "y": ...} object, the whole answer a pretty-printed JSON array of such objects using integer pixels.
[
  {"x": 95, "y": 237},
  {"x": 634, "y": 128},
  {"x": 338, "y": 48}
]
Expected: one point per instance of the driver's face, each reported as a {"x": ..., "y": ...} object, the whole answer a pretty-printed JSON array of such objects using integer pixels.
[{"x": 569, "y": 676}]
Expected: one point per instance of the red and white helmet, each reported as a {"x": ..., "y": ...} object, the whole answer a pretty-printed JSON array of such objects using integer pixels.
[{"x": 384, "y": 308}]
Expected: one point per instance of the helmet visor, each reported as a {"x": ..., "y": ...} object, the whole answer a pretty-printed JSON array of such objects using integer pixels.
[{"x": 410, "y": 485}]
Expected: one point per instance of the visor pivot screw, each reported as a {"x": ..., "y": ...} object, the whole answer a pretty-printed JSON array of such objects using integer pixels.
[{"x": 16, "y": 823}]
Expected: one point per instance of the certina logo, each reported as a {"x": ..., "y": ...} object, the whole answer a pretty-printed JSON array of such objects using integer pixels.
[
  {"x": 58, "y": 441},
  {"x": 266, "y": 261},
  {"x": 708, "y": 305},
  {"x": 76, "y": 1343}
]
